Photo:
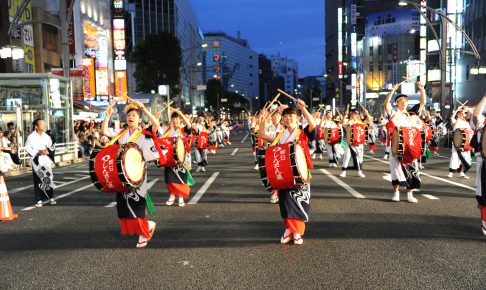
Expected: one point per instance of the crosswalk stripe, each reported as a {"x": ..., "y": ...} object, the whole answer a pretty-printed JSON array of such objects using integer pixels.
[{"x": 203, "y": 189}]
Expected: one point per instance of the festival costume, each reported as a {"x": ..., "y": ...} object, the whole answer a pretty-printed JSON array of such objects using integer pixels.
[
  {"x": 334, "y": 151},
  {"x": 295, "y": 203},
  {"x": 41, "y": 165},
  {"x": 176, "y": 177},
  {"x": 405, "y": 170},
  {"x": 480, "y": 169},
  {"x": 131, "y": 204},
  {"x": 354, "y": 151},
  {"x": 201, "y": 151},
  {"x": 461, "y": 160}
]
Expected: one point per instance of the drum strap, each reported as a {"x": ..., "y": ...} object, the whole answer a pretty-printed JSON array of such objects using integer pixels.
[
  {"x": 135, "y": 136},
  {"x": 166, "y": 133},
  {"x": 116, "y": 138},
  {"x": 297, "y": 134}
]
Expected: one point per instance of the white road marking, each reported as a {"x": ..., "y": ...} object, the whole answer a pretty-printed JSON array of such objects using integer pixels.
[
  {"x": 71, "y": 178},
  {"x": 61, "y": 196},
  {"x": 429, "y": 175},
  {"x": 112, "y": 204},
  {"x": 203, "y": 189},
  {"x": 387, "y": 177},
  {"x": 234, "y": 152},
  {"x": 429, "y": 196},
  {"x": 244, "y": 138},
  {"x": 63, "y": 184},
  {"x": 343, "y": 184}
]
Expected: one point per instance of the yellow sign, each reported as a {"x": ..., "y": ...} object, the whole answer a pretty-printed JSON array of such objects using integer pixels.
[
  {"x": 28, "y": 38},
  {"x": 121, "y": 90}
]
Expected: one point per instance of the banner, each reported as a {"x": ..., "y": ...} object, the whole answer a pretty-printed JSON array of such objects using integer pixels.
[{"x": 89, "y": 86}]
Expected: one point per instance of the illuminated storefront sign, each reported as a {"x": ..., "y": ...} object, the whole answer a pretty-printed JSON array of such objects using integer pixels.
[
  {"x": 28, "y": 63},
  {"x": 90, "y": 40},
  {"x": 119, "y": 48},
  {"x": 121, "y": 85},
  {"x": 89, "y": 91}
]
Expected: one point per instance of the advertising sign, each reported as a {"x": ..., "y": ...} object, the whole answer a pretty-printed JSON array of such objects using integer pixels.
[
  {"x": 89, "y": 91},
  {"x": 121, "y": 90},
  {"x": 27, "y": 35},
  {"x": 392, "y": 22},
  {"x": 90, "y": 40}
]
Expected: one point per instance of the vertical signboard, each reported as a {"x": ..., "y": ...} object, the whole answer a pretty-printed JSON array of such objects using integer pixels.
[
  {"x": 89, "y": 86},
  {"x": 23, "y": 36},
  {"x": 119, "y": 47},
  {"x": 121, "y": 85}
]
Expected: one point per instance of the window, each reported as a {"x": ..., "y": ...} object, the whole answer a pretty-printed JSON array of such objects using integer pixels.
[
  {"x": 467, "y": 72},
  {"x": 49, "y": 37},
  {"x": 371, "y": 50},
  {"x": 380, "y": 49}
]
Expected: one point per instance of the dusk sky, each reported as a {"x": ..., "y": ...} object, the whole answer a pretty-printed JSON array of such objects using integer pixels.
[{"x": 291, "y": 28}]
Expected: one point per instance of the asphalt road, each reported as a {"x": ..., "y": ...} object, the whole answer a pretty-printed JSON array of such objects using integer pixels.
[{"x": 356, "y": 238}]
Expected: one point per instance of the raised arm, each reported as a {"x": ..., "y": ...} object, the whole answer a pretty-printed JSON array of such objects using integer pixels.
[
  {"x": 104, "y": 125},
  {"x": 262, "y": 122},
  {"x": 479, "y": 109},
  {"x": 310, "y": 120},
  {"x": 423, "y": 100},
  {"x": 386, "y": 105}
]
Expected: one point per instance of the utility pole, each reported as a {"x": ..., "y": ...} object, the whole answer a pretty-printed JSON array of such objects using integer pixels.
[{"x": 63, "y": 15}]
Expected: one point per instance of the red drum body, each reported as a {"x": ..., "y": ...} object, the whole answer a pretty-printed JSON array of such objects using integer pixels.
[
  {"x": 173, "y": 152},
  {"x": 202, "y": 140},
  {"x": 321, "y": 133},
  {"x": 355, "y": 134},
  {"x": 332, "y": 136},
  {"x": 117, "y": 168},
  {"x": 406, "y": 144},
  {"x": 283, "y": 166},
  {"x": 461, "y": 139},
  {"x": 428, "y": 132}
]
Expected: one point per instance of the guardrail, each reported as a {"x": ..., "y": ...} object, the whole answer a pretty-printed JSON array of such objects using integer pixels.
[{"x": 69, "y": 149}]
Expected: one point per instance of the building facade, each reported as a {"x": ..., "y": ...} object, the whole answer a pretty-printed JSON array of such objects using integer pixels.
[
  {"x": 232, "y": 61},
  {"x": 178, "y": 18},
  {"x": 288, "y": 69}
]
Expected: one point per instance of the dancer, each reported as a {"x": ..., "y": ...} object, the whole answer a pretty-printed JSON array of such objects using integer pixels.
[
  {"x": 355, "y": 147},
  {"x": 460, "y": 157},
  {"x": 176, "y": 177},
  {"x": 404, "y": 169},
  {"x": 202, "y": 139},
  {"x": 294, "y": 203},
  {"x": 478, "y": 122},
  {"x": 131, "y": 204}
]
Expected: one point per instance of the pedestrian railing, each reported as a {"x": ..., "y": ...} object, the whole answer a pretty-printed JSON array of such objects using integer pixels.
[{"x": 64, "y": 152}]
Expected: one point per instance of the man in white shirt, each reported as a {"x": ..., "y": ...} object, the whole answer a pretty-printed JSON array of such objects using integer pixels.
[{"x": 40, "y": 148}]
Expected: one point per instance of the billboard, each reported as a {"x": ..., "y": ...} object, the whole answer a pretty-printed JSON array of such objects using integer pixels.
[
  {"x": 27, "y": 35},
  {"x": 121, "y": 90},
  {"x": 392, "y": 22},
  {"x": 89, "y": 91}
]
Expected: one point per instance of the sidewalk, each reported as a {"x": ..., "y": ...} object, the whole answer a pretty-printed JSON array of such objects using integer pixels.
[{"x": 27, "y": 169}]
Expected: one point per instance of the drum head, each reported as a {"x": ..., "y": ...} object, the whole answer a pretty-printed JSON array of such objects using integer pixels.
[
  {"x": 134, "y": 164},
  {"x": 301, "y": 162},
  {"x": 395, "y": 141},
  {"x": 458, "y": 138},
  {"x": 180, "y": 150}
]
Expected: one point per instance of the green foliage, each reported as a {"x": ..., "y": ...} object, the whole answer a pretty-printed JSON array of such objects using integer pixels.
[{"x": 158, "y": 60}]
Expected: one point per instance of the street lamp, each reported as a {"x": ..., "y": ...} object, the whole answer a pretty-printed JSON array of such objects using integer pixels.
[{"x": 443, "y": 43}]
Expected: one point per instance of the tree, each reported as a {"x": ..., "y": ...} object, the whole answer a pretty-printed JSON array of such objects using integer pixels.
[
  {"x": 157, "y": 59},
  {"x": 214, "y": 91}
]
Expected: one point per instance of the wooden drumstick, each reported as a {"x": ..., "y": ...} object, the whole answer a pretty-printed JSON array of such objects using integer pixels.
[
  {"x": 291, "y": 97},
  {"x": 273, "y": 101},
  {"x": 110, "y": 106},
  {"x": 166, "y": 106}
]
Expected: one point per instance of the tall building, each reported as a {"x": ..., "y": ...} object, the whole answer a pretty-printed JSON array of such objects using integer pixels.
[
  {"x": 178, "y": 18},
  {"x": 266, "y": 89},
  {"x": 288, "y": 69},
  {"x": 471, "y": 75},
  {"x": 232, "y": 61}
]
